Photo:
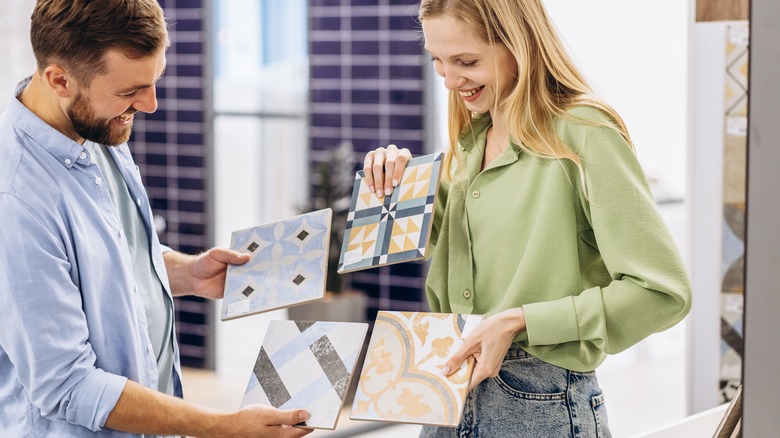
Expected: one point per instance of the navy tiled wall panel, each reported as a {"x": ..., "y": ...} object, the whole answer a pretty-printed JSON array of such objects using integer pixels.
[
  {"x": 366, "y": 86},
  {"x": 171, "y": 147}
]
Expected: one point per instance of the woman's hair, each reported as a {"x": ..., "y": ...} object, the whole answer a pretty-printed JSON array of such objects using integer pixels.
[
  {"x": 548, "y": 83},
  {"x": 78, "y": 33}
]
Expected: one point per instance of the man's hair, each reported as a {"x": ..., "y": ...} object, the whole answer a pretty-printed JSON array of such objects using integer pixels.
[{"x": 78, "y": 33}]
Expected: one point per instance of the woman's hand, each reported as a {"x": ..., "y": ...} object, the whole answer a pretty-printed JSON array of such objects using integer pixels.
[
  {"x": 384, "y": 168},
  {"x": 488, "y": 343}
]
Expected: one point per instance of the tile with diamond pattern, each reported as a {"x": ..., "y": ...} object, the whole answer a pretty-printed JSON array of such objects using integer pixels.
[{"x": 287, "y": 266}]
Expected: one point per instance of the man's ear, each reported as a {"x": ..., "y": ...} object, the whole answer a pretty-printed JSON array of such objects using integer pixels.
[{"x": 59, "y": 81}]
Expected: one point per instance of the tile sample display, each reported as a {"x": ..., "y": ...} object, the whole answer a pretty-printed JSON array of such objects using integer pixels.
[
  {"x": 306, "y": 365},
  {"x": 401, "y": 380},
  {"x": 734, "y": 201},
  {"x": 395, "y": 228},
  {"x": 289, "y": 260}
]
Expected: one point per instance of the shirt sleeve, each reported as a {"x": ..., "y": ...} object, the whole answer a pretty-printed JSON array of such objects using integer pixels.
[
  {"x": 648, "y": 288},
  {"x": 43, "y": 329}
]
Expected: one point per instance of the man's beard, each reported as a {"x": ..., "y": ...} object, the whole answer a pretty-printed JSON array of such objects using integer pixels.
[{"x": 93, "y": 129}]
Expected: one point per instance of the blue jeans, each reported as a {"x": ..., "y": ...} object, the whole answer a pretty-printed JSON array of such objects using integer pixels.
[{"x": 529, "y": 399}]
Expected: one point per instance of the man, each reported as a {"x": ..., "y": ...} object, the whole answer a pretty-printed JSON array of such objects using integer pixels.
[{"x": 87, "y": 345}]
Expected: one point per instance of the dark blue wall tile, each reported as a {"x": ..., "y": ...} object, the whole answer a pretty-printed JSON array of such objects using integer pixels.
[
  {"x": 365, "y": 71},
  {"x": 365, "y": 96}
]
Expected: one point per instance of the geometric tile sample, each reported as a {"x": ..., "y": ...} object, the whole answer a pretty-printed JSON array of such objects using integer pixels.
[
  {"x": 306, "y": 365},
  {"x": 288, "y": 265},
  {"x": 401, "y": 380},
  {"x": 395, "y": 228}
]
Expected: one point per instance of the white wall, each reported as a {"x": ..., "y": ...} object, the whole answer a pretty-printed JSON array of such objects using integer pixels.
[
  {"x": 16, "y": 56},
  {"x": 708, "y": 42},
  {"x": 634, "y": 54}
]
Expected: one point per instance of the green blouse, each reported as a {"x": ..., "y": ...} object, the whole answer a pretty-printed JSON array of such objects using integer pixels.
[{"x": 593, "y": 274}]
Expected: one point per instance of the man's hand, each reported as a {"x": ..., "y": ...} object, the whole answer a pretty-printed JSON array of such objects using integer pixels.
[
  {"x": 144, "y": 411},
  {"x": 202, "y": 275},
  {"x": 264, "y": 421}
]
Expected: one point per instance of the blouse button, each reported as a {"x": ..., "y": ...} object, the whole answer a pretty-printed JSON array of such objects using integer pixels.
[
  {"x": 68, "y": 162},
  {"x": 82, "y": 155},
  {"x": 98, "y": 180},
  {"x": 475, "y": 194},
  {"x": 466, "y": 294}
]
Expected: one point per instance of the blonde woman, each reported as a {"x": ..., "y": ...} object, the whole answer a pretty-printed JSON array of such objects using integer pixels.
[{"x": 545, "y": 224}]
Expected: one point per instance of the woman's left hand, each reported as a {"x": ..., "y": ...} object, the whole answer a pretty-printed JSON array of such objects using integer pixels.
[{"x": 488, "y": 343}]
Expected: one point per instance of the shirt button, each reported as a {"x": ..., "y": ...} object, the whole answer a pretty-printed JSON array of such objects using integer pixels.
[
  {"x": 68, "y": 161},
  {"x": 466, "y": 294},
  {"x": 98, "y": 180},
  {"x": 475, "y": 194},
  {"x": 82, "y": 155}
]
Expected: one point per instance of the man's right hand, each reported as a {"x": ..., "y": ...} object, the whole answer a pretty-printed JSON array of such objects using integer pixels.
[
  {"x": 264, "y": 421},
  {"x": 145, "y": 411}
]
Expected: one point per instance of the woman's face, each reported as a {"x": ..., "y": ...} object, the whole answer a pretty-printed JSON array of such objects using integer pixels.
[{"x": 481, "y": 73}]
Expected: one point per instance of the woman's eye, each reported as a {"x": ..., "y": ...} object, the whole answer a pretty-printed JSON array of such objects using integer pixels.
[
  {"x": 468, "y": 64},
  {"x": 130, "y": 94}
]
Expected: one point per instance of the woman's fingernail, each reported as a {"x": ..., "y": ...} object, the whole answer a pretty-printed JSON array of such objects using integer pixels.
[
  {"x": 371, "y": 188},
  {"x": 380, "y": 193},
  {"x": 445, "y": 370},
  {"x": 395, "y": 182}
]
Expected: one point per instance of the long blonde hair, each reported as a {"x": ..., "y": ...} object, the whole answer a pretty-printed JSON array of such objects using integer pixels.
[{"x": 548, "y": 83}]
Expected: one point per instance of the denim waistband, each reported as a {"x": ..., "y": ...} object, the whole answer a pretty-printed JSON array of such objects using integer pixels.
[{"x": 515, "y": 352}]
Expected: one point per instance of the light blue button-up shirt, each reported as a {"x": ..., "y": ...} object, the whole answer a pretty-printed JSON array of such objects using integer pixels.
[{"x": 72, "y": 328}]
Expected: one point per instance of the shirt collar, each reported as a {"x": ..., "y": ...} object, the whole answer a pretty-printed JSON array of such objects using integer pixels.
[
  {"x": 65, "y": 150},
  {"x": 473, "y": 140}
]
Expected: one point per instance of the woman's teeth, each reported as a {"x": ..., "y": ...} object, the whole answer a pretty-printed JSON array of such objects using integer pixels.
[{"x": 469, "y": 93}]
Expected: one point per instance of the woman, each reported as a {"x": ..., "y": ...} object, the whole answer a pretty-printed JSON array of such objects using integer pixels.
[{"x": 545, "y": 224}]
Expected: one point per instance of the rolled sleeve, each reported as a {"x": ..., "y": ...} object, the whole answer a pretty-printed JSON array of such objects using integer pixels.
[{"x": 93, "y": 399}]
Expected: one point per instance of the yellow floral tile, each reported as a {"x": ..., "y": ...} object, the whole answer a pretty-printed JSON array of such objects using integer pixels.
[{"x": 401, "y": 379}]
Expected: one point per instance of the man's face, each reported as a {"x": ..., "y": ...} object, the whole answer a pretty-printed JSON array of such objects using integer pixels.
[
  {"x": 104, "y": 111},
  {"x": 99, "y": 130}
]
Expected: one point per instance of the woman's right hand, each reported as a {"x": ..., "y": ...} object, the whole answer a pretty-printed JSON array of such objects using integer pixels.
[{"x": 384, "y": 168}]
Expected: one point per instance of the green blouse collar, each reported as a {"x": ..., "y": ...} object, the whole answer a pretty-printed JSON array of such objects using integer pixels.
[{"x": 472, "y": 143}]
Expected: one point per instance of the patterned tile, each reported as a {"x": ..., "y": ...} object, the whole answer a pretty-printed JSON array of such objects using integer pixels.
[
  {"x": 401, "y": 380},
  {"x": 733, "y": 249},
  {"x": 306, "y": 365},
  {"x": 734, "y": 197},
  {"x": 395, "y": 228},
  {"x": 289, "y": 260}
]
